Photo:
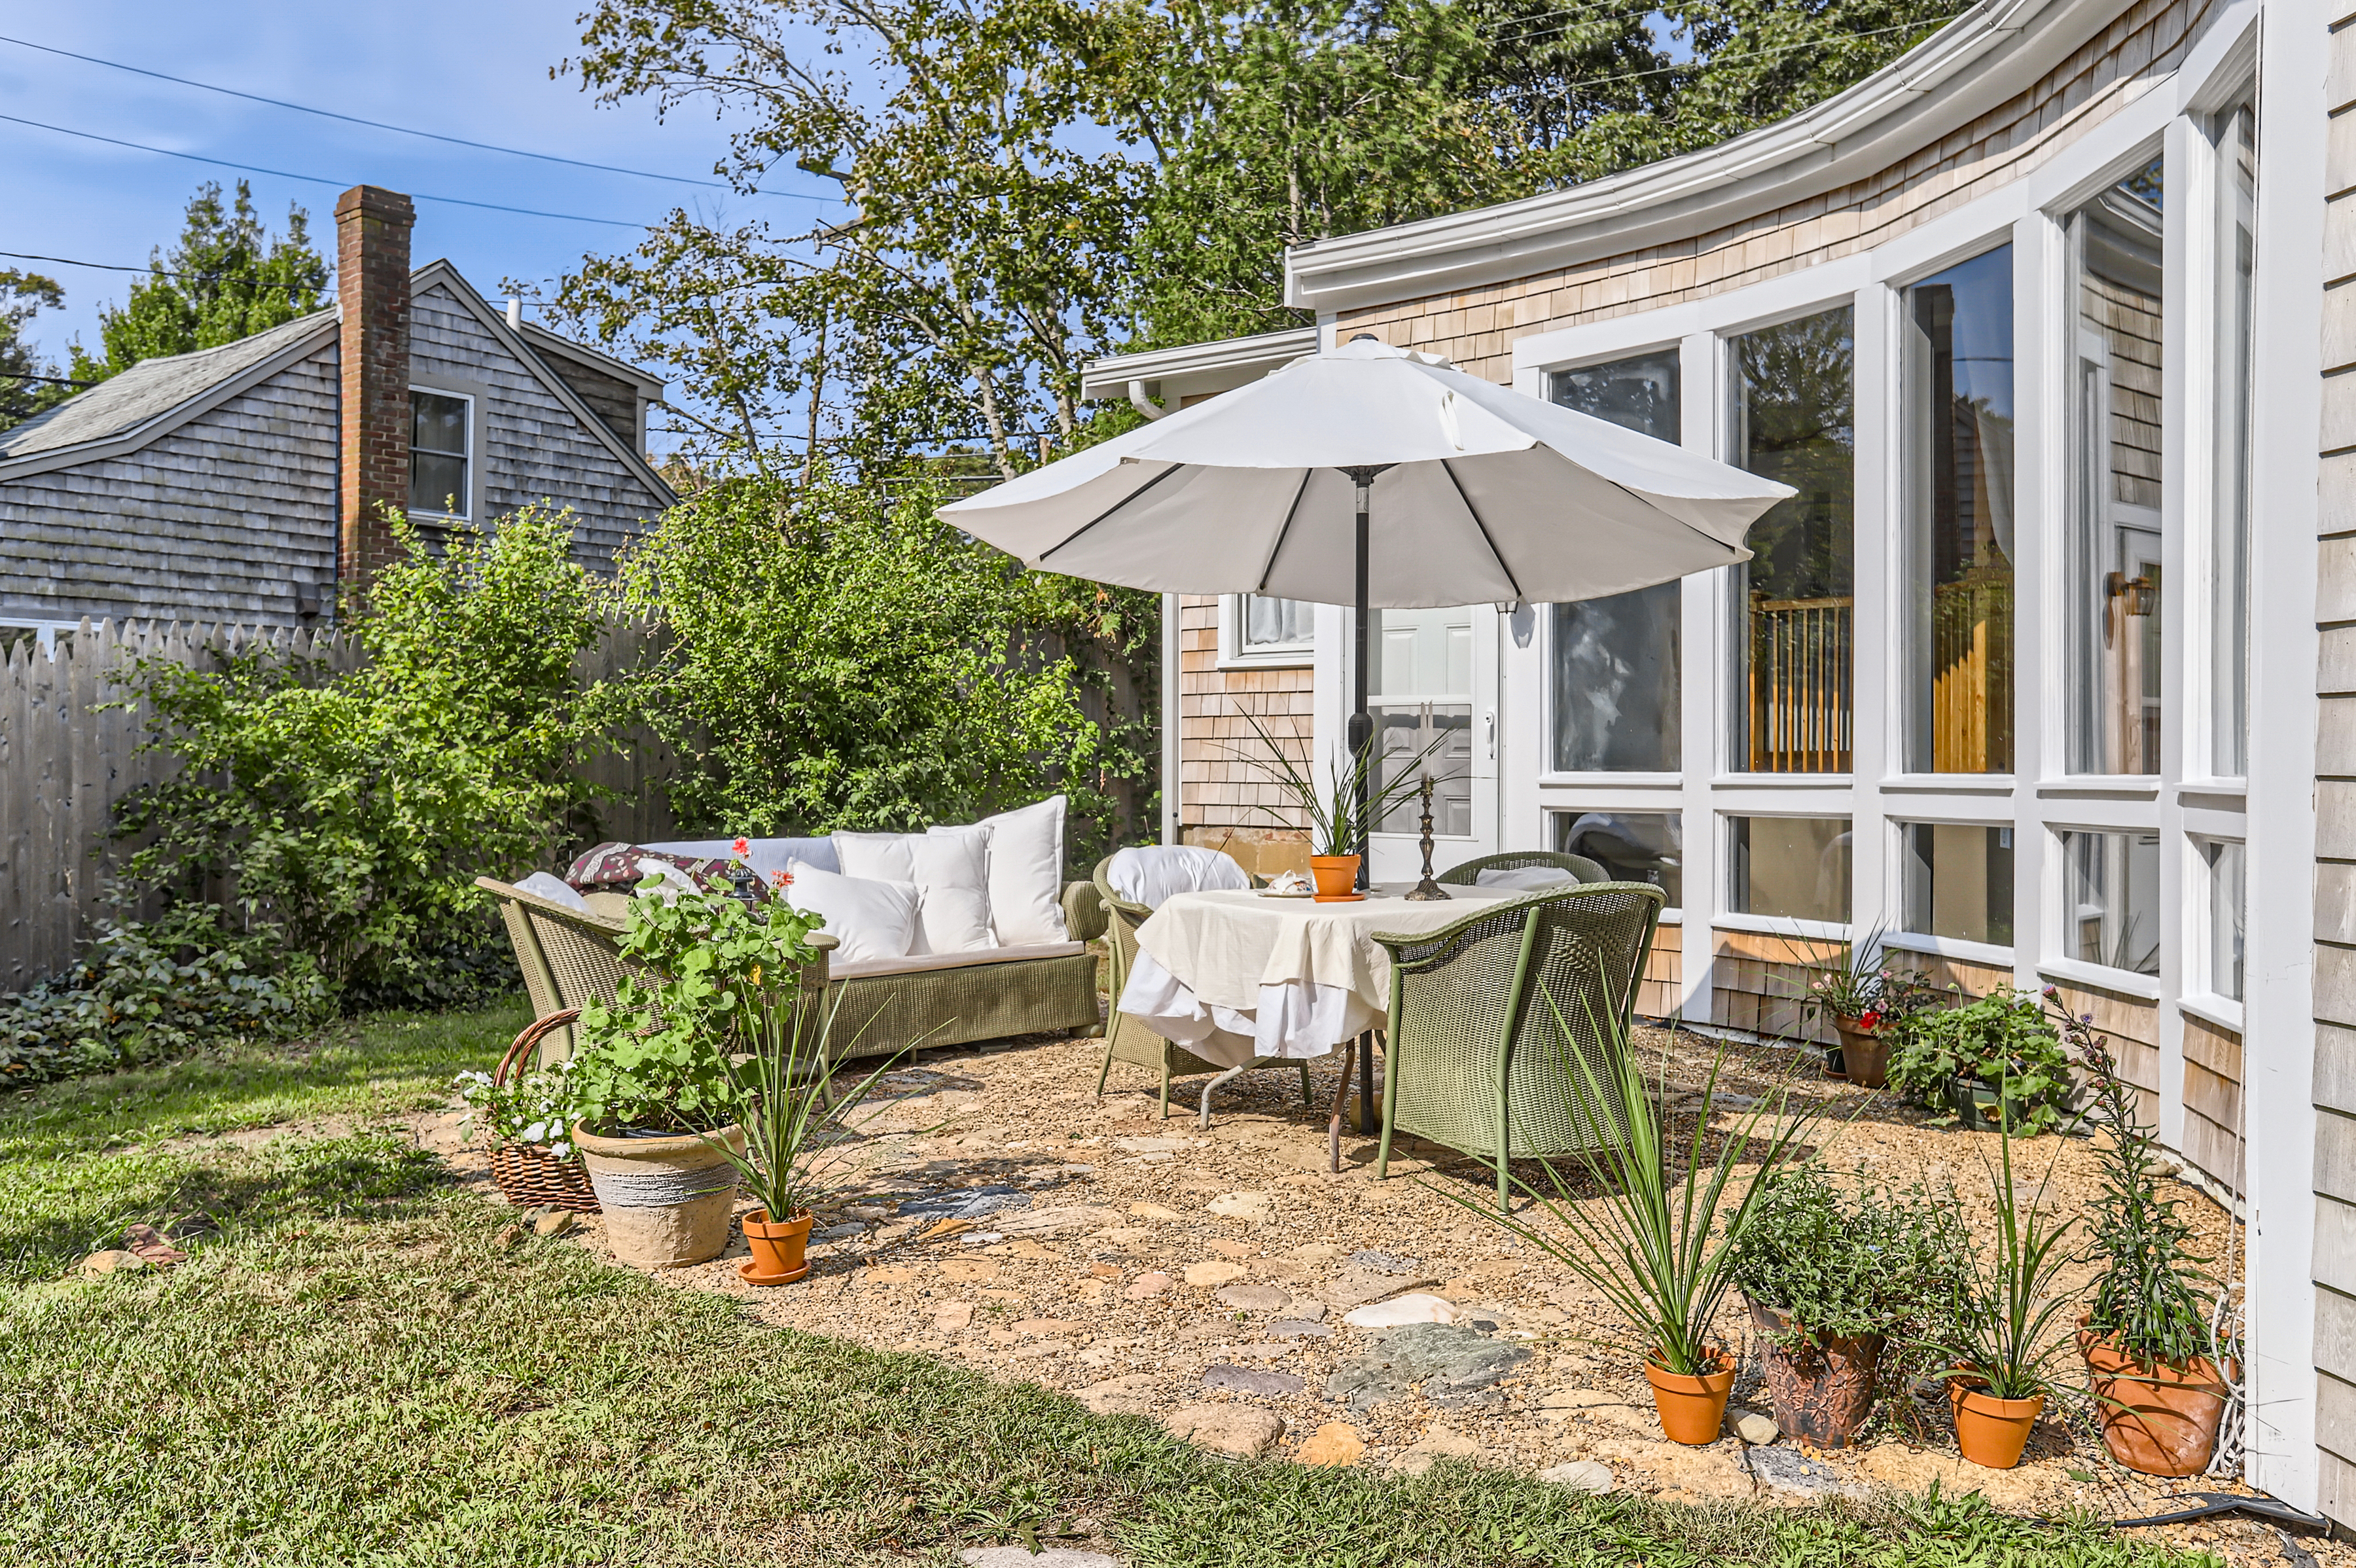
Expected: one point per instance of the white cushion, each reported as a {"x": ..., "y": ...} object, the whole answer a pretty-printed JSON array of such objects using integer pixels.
[
  {"x": 1147, "y": 875},
  {"x": 867, "y": 919},
  {"x": 950, "y": 872},
  {"x": 1525, "y": 879},
  {"x": 1026, "y": 873},
  {"x": 555, "y": 889}
]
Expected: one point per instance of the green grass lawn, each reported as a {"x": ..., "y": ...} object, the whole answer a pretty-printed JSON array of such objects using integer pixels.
[{"x": 361, "y": 1364}]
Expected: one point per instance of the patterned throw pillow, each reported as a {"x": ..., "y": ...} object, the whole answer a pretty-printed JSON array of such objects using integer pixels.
[{"x": 613, "y": 868}]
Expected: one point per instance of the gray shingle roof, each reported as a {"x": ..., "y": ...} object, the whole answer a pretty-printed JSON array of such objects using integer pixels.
[{"x": 150, "y": 388}]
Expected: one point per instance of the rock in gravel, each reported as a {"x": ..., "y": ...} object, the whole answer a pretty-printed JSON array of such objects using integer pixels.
[
  {"x": 1399, "y": 1310},
  {"x": 1436, "y": 1445},
  {"x": 114, "y": 1260},
  {"x": 1355, "y": 1287},
  {"x": 1580, "y": 1475},
  {"x": 1153, "y": 1211},
  {"x": 1022, "y": 1557},
  {"x": 1042, "y": 1327},
  {"x": 1753, "y": 1427},
  {"x": 1562, "y": 1404},
  {"x": 1254, "y": 1207},
  {"x": 1254, "y": 1298},
  {"x": 1144, "y": 1285},
  {"x": 1334, "y": 1445},
  {"x": 1133, "y": 1395},
  {"x": 1786, "y": 1469},
  {"x": 1049, "y": 1222},
  {"x": 1298, "y": 1328},
  {"x": 1244, "y": 1430},
  {"x": 952, "y": 1316},
  {"x": 1386, "y": 1263},
  {"x": 1250, "y": 1380},
  {"x": 1457, "y": 1367},
  {"x": 1208, "y": 1276},
  {"x": 967, "y": 1203},
  {"x": 557, "y": 1222}
]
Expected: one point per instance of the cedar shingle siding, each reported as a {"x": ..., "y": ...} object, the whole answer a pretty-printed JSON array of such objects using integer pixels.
[{"x": 216, "y": 520}]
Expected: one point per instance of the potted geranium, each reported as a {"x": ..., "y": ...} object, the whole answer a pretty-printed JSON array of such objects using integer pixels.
[
  {"x": 1866, "y": 1001},
  {"x": 2001, "y": 1328},
  {"x": 2154, "y": 1363},
  {"x": 657, "y": 1100},
  {"x": 1664, "y": 1221},
  {"x": 1830, "y": 1276},
  {"x": 1994, "y": 1062}
]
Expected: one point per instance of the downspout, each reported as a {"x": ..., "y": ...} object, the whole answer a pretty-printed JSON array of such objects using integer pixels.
[
  {"x": 1144, "y": 405},
  {"x": 1170, "y": 758}
]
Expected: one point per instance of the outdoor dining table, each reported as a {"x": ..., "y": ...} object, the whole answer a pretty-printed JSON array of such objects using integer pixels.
[{"x": 1242, "y": 976}]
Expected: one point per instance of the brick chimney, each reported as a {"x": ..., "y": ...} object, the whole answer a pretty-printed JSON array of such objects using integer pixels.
[{"x": 373, "y": 285}]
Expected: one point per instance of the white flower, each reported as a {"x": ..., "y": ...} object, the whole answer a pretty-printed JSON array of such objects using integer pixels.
[{"x": 535, "y": 1132}]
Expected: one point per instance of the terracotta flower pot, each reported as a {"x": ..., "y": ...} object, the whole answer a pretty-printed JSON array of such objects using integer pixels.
[
  {"x": 1822, "y": 1385},
  {"x": 1692, "y": 1409},
  {"x": 2157, "y": 1418},
  {"x": 1991, "y": 1432},
  {"x": 777, "y": 1247},
  {"x": 1336, "y": 877},
  {"x": 666, "y": 1199},
  {"x": 1865, "y": 1057}
]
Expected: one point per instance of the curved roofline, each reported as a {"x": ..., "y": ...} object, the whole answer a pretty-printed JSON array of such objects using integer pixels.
[{"x": 1992, "y": 53}]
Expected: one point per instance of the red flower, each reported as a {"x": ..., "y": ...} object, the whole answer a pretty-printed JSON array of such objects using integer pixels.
[
  {"x": 1869, "y": 1022},
  {"x": 743, "y": 846},
  {"x": 782, "y": 878}
]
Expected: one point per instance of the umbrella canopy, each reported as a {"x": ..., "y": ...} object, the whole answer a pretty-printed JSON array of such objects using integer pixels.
[{"x": 1485, "y": 496}]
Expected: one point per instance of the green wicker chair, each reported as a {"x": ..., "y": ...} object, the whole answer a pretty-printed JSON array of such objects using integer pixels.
[
  {"x": 1468, "y": 874},
  {"x": 1475, "y": 1060},
  {"x": 1131, "y": 1043}
]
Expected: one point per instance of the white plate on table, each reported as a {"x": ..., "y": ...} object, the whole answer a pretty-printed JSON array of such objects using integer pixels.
[{"x": 1281, "y": 893}]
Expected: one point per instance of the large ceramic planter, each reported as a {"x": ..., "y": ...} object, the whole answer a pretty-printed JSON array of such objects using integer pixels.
[
  {"x": 1692, "y": 1409},
  {"x": 1822, "y": 1385},
  {"x": 2157, "y": 1418},
  {"x": 779, "y": 1248},
  {"x": 667, "y": 1200},
  {"x": 1865, "y": 1056},
  {"x": 1991, "y": 1432},
  {"x": 1336, "y": 877}
]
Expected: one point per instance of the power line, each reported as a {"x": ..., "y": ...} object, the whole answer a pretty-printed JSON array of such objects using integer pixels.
[
  {"x": 100, "y": 266},
  {"x": 313, "y": 179},
  {"x": 402, "y": 130}
]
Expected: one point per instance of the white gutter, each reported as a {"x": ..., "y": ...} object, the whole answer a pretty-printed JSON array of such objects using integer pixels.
[{"x": 1994, "y": 53}]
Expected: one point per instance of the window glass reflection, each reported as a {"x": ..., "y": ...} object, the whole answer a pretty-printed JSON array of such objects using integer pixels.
[
  {"x": 1790, "y": 868},
  {"x": 1631, "y": 846},
  {"x": 2110, "y": 888},
  {"x": 1957, "y": 881},
  {"x": 1271, "y": 622}
]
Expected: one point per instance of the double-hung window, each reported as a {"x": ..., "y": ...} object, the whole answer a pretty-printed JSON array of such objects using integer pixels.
[{"x": 440, "y": 458}]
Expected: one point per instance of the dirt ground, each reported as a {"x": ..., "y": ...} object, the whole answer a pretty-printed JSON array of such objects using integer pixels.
[{"x": 1152, "y": 1267}]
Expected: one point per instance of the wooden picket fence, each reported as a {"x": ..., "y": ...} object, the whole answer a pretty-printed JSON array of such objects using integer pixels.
[{"x": 66, "y": 756}]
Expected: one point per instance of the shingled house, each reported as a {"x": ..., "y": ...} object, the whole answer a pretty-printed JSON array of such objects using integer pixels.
[{"x": 249, "y": 482}]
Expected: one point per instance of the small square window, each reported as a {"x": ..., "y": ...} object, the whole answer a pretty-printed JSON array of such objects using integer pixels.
[
  {"x": 438, "y": 454},
  {"x": 2228, "y": 867},
  {"x": 1271, "y": 622},
  {"x": 1631, "y": 846},
  {"x": 1957, "y": 881},
  {"x": 2111, "y": 892},
  {"x": 1790, "y": 868}
]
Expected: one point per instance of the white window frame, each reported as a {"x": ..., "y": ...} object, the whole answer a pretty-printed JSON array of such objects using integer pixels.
[
  {"x": 475, "y": 395},
  {"x": 1663, "y": 806},
  {"x": 1234, "y": 655},
  {"x": 1728, "y": 918},
  {"x": 1894, "y": 826},
  {"x": 2201, "y": 998}
]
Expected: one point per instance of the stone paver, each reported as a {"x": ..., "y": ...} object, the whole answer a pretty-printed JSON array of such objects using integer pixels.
[{"x": 1244, "y": 1430}]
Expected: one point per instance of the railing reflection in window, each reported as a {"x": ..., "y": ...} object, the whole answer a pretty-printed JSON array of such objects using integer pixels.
[{"x": 1799, "y": 697}]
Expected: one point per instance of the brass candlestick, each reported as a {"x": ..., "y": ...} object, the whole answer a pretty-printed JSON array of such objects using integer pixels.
[{"x": 1426, "y": 891}]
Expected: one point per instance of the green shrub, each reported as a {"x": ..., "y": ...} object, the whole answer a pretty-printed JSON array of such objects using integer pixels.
[
  {"x": 349, "y": 813},
  {"x": 2002, "y": 1041},
  {"x": 147, "y": 991},
  {"x": 1866, "y": 1261}
]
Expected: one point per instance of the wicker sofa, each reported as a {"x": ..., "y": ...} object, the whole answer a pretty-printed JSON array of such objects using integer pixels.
[{"x": 569, "y": 958}]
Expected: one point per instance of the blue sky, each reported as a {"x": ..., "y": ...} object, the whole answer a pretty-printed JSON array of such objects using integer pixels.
[{"x": 479, "y": 71}]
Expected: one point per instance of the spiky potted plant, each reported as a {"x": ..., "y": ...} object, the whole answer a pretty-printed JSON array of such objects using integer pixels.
[
  {"x": 2159, "y": 1374},
  {"x": 2002, "y": 1327},
  {"x": 1339, "y": 812},
  {"x": 1659, "y": 1241},
  {"x": 1866, "y": 1000}
]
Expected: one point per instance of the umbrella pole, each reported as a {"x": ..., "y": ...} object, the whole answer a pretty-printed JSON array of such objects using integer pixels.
[{"x": 1361, "y": 723}]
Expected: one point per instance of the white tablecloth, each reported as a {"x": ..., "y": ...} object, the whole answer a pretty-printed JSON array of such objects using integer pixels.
[{"x": 1234, "y": 975}]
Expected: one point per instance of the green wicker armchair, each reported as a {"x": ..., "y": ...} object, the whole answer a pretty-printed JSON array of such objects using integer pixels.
[
  {"x": 1468, "y": 874},
  {"x": 1476, "y": 1058},
  {"x": 1127, "y": 1040}
]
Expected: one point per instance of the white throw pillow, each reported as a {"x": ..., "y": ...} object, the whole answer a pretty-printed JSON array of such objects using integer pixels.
[
  {"x": 1526, "y": 879},
  {"x": 1026, "y": 873},
  {"x": 868, "y": 919},
  {"x": 950, "y": 872},
  {"x": 1150, "y": 873},
  {"x": 555, "y": 889}
]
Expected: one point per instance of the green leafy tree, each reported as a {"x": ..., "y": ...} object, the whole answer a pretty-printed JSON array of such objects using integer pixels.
[
  {"x": 22, "y": 296},
  {"x": 225, "y": 279}
]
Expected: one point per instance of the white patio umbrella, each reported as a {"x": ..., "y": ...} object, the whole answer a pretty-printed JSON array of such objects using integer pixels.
[{"x": 1378, "y": 477}]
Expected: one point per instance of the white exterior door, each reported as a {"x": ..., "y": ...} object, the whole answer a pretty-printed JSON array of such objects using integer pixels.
[{"x": 1433, "y": 695}]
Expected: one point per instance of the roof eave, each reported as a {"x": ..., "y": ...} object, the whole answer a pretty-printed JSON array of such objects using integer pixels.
[
  {"x": 1196, "y": 369},
  {"x": 1994, "y": 53}
]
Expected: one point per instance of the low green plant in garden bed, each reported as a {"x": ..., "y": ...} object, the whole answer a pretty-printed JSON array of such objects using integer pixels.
[{"x": 2002, "y": 1042}]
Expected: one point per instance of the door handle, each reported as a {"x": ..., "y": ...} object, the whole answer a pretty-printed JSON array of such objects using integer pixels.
[{"x": 1489, "y": 721}]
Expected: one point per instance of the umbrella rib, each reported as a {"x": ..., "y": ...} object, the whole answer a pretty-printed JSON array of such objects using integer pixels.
[
  {"x": 1649, "y": 503},
  {"x": 1475, "y": 513},
  {"x": 1107, "y": 511},
  {"x": 1278, "y": 548}
]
